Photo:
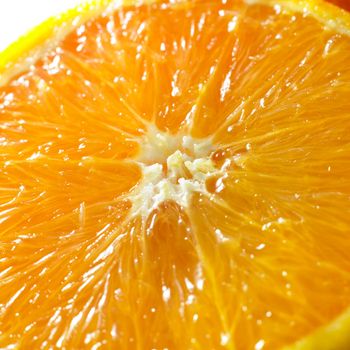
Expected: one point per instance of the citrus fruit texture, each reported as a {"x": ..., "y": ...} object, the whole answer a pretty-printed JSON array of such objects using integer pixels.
[{"x": 176, "y": 175}]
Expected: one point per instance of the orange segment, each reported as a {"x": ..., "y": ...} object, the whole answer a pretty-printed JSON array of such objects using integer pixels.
[{"x": 175, "y": 175}]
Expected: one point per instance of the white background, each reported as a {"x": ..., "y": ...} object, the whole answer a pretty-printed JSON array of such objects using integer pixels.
[{"x": 18, "y": 16}]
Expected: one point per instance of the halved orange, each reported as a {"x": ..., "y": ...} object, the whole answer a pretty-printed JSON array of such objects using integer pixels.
[{"x": 176, "y": 175}]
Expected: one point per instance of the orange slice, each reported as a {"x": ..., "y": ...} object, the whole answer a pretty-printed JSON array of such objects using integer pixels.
[{"x": 176, "y": 175}]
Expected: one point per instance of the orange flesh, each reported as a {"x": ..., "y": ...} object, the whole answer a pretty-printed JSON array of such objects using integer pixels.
[{"x": 258, "y": 264}]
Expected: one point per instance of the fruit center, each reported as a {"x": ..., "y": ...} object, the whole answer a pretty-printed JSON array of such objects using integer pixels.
[{"x": 173, "y": 167}]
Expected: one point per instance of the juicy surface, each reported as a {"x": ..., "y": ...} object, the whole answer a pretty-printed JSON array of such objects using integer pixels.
[{"x": 259, "y": 255}]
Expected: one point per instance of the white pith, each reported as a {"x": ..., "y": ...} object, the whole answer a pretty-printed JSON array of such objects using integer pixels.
[{"x": 173, "y": 168}]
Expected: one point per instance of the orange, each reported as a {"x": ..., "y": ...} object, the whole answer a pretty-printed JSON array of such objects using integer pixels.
[{"x": 176, "y": 175}]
